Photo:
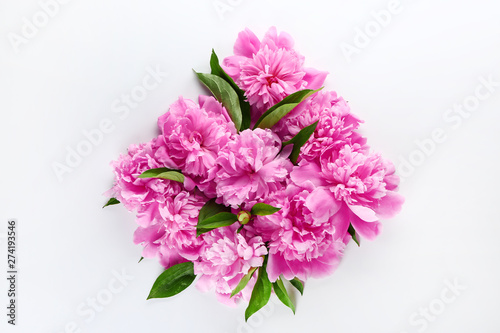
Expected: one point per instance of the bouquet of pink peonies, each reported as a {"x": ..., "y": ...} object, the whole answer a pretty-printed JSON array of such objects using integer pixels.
[{"x": 261, "y": 186}]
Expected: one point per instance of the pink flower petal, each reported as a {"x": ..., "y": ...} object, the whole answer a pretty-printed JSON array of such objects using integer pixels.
[
  {"x": 275, "y": 41},
  {"x": 307, "y": 172},
  {"x": 247, "y": 44},
  {"x": 341, "y": 222},
  {"x": 390, "y": 205},
  {"x": 364, "y": 213},
  {"x": 276, "y": 266},
  {"x": 368, "y": 230},
  {"x": 314, "y": 78},
  {"x": 322, "y": 204}
]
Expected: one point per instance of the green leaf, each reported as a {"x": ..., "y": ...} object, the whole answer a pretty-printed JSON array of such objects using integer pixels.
[
  {"x": 263, "y": 209},
  {"x": 280, "y": 290},
  {"x": 244, "y": 105},
  {"x": 244, "y": 281},
  {"x": 216, "y": 69},
  {"x": 352, "y": 232},
  {"x": 210, "y": 208},
  {"x": 112, "y": 201},
  {"x": 173, "y": 280},
  {"x": 298, "y": 284},
  {"x": 225, "y": 94},
  {"x": 216, "y": 221},
  {"x": 261, "y": 292},
  {"x": 281, "y": 109},
  {"x": 299, "y": 140},
  {"x": 163, "y": 173},
  {"x": 142, "y": 258}
]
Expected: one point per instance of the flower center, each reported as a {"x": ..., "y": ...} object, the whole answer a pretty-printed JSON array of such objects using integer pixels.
[
  {"x": 267, "y": 77},
  {"x": 195, "y": 137}
]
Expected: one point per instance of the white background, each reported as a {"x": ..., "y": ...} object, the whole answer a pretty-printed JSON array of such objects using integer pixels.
[{"x": 65, "y": 79}]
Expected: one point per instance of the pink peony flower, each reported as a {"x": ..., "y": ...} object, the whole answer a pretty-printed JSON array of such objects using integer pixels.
[
  {"x": 360, "y": 188},
  {"x": 172, "y": 236},
  {"x": 336, "y": 126},
  {"x": 227, "y": 256},
  {"x": 300, "y": 235},
  {"x": 248, "y": 168},
  {"x": 193, "y": 135},
  {"x": 269, "y": 70},
  {"x": 138, "y": 193},
  {"x": 337, "y": 182}
]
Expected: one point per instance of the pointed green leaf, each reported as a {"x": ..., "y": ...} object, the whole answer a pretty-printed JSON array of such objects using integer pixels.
[
  {"x": 210, "y": 208},
  {"x": 263, "y": 209},
  {"x": 142, "y": 258},
  {"x": 173, "y": 280},
  {"x": 223, "y": 219},
  {"x": 112, "y": 201},
  {"x": 261, "y": 292},
  {"x": 280, "y": 291},
  {"x": 244, "y": 105},
  {"x": 352, "y": 232},
  {"x": 298, "y": 284},
  {"x": 299, "y": 140},
  {"x": 163, "y": 173},
  {"x": 225, "y": 94},
  {"x": 281, "y": 109},
  {"x": 244, "y": 281},
  {"x": 216, "y": 69}
]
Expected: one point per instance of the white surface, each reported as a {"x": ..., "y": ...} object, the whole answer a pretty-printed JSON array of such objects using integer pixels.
[{"x": 65, "y": 80}]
